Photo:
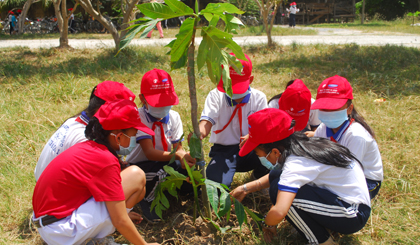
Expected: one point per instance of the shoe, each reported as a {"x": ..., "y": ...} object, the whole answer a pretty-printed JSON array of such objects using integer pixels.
[
  {"x": 150, "y": 216},
  {"x": 148, "y": 37}
]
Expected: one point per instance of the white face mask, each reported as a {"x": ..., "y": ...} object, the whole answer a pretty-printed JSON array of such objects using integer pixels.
[
  {"x": 333, "y": 119},
  {"x": 264, "y": 161},
  {"x": 126, "y": 150},
  {"x": 238, "y": 96},
  {"x": 158, "y": 112}
]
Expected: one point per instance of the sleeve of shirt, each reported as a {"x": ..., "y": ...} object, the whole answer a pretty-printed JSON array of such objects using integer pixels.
[
  {"x": 357, "y": 146},
  {"x": 313, "y": 118},
  {"x": 142, "y": 135},
  {"x": 262, "y": 102},
  {"x": 106, "y": 184},
  {"x": 177, "y": 129},
  {"x": 274, "y": 104},
  {"x": 211, "y": 108},
  {"x": 297, "y": 173}
]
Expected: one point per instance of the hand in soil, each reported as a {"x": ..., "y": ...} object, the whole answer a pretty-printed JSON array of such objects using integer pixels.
[
  {"x": 269, "y": 233},
  {"x": 135, "y": 217}
]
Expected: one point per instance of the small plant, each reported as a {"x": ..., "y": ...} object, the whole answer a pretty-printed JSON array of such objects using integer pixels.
[{"x": 416, "y": 14}]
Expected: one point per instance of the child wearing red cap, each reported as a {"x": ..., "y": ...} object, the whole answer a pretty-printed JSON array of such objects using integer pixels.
[
  {"x": 72, "y": 131},
  {"x": 83, "y": 194},
  {"x": 227, "y": 119},
  {"x": 157, "y": 94},
  {"x": 296, "y": 100},
  {"x": 342, "y": 124},
  {"x": 316, "y": 184},
  {"x": 292, "y": 14}
]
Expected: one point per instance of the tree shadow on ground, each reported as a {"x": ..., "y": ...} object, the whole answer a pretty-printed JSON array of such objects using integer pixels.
[
  {"x": 26, "y": 66},
  {"x": 389, "y": 70}
]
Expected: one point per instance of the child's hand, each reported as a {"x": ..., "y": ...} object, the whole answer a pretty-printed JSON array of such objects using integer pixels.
[
  {"x": 238, "y": 193},
  {"x": 310, "y": 133},
  {"x": 269, "y": 233},
  {"x": 135, "y": 217},
  {"x": 243, "y": 140},
  {"x": 189, "y": 160}
]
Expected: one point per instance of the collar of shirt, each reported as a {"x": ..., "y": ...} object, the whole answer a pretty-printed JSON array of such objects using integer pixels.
[
  {"x": 337, "y": 136},
  {"x": 84, "y": 117},
  {"x": 151, "y": 118},
  {"x": 245, "y": 100}
]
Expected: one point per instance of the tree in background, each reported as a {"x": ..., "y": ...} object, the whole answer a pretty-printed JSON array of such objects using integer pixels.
[
  {"x": 268, "y": 7},
  {"x": 127, "y": 11},
  {"x": 391, "y": 9}
]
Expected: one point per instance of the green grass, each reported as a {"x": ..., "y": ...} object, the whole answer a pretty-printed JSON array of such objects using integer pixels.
[
  {"x": 400, "y": 25},
  {"x": 39, "y": 89},
  {"x": 276, "y": 31}
]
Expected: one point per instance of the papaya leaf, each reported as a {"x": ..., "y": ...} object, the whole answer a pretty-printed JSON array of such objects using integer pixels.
[
  {"x": 179, "y": 7},
  {"x": 180, "y": 63},
  {"x": 195, "y": 146},
  {"x": 214, "y": 20},
  {"x": 171, "y": 171},
  {"x": 231, "y": 23},
  {"x": 240, "y": 213},
  {"x": 203, "y": 50},
  {"x": 225, "y": 186},
  {"x": 224, "y": 204},
  {"x": 157, "y": 10},
  {"x": 220, "y": 8},
  {"x": 235, "y": 63},
  {"x": 208, "y": 16},
  {"x": 151, "y": 25},
  {"x": 215, "y": 225},
  {"x": 183, "y": 39},
  {"x": 198, "y": 177},
  {"x": 213, "y": 198},
  {"x": 158, "y": 211}
]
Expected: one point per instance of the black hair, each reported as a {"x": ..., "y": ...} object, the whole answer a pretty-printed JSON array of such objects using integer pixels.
[
  {"x": 279, "y": 95},
  {"x": 360, "y": 119},
  {"x": 94, "y": 131},
  {"x": 319, "y": 149}
]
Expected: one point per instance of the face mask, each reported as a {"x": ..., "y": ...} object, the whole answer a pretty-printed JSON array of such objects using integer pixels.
[
  {"x": 126, "y": 150},
  {"x": 333, "y": 119},
  {"x": 158, "y": 112},
  {"x": 267, "y": 163},
  {"x": 238, "y": 96}
]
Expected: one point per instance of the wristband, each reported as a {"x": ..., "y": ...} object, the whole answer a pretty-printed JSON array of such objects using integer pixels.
[{"x": 245, "y": 189}]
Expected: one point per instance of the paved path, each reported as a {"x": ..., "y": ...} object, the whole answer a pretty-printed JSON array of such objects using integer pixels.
[{"x": 325, "y": 36}]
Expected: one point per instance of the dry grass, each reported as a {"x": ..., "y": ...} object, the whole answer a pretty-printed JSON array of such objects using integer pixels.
[{"x": 39, "y": 89}]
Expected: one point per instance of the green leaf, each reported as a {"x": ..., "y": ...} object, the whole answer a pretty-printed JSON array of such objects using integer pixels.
[
  {"x": 240, "y": 213},
  {"x": 183, "y": 39},
  {"x": 179, "y": 64},
  {"x": 214, "y": 20},
  {"x": 213, "y": 198},
  {"x": 179, "y": 7},
  {"x": 164, "y": 201},
  {"x": 195, "y": 146},
  {"x": 130, "y": 35},
  {"x": 221, "y": 8},
  {"x": 255, "y": 216},
  {"x": 198, "y": 176},
  {"x": 157, "y": 11},
  {"x": 208, "y": 16},
  {"x": 225, "y": 204},
  {"x": 231, "y": 23},
  {"x": 171, "y": 171}
]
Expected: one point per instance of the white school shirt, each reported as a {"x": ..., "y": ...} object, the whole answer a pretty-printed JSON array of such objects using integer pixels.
[
  {"x": 347, "y": 183},
  {"x": 70, "y": 133},
  {"x": 292, "y": 9},
  {"x": 218, "y": 110},
  {"x": 358, "y": 140},
  {"x": 313, "y": 115},
  {"x": 172, "y": 126}
]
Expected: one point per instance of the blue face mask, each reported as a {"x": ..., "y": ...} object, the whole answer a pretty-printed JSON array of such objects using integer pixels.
[
  {"x": 267, "y": 163},
  {"x": 333, "y": 119},
  {"x": 126, "y": 150},
  {"x": 158, "y": 112},
  {"x": 238, "y": 96}
]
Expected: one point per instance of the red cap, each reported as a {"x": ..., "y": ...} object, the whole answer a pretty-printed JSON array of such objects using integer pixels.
[
  {"x": 267, "y": 126},
  {"x": 10, "y": 12},
  {"x": 293, "y": 3},
  {"x": 19, "y": 11},
  {"x": 70, "y": 9},
  {"x": 109, "y": 91},
  {"x": 158, "y": 88},
  {"x": 296, "y": 101},
  {"x": 121, "y": 114},
  {"x": 333, "y": 93},
  {"x": 240, "y": 83}
]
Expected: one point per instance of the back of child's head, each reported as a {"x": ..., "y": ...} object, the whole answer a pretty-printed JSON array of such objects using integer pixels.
[
  {"x": 335, "y": 92},
  {"x": 240, "y": 82},
  {"x": 158, "y": 89}
]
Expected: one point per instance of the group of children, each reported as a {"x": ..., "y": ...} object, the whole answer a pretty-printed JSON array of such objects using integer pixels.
[{"x": 319, "y": 158}]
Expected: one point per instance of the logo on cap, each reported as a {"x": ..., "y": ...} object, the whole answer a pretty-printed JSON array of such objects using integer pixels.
[
  {"x": 332, "y": 85},
  {"x": 165, "y": 80},
  {"x": 301, "y": 111},
  {"x": 155, "y": 80}
]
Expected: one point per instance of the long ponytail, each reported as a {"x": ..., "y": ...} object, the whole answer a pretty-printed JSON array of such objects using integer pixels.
[
  {"x": 95, "y": 132},
  {"x": 360, "y": 119}
]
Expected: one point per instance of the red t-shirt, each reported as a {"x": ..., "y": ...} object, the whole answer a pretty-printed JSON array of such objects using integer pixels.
[{"x": 84, "y": 170}]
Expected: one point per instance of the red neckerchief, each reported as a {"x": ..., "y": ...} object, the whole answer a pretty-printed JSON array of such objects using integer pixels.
[
  {"x": 162, "y": 135},
  {"x": 238, "y": 108}
]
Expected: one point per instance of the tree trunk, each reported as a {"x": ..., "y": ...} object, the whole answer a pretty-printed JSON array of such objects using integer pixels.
[
  {"x": 128, "y": 16},
  {"x": 60, "y": 8},
  {"x": 23, "y": 15},
  {"x": 363, "y": 12},
  {"x": 194, "y": 116}
]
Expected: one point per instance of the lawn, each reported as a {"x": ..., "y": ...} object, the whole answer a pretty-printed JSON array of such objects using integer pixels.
[
  {"x": 40, "y": 89},
  {"x": 399, "y": 25}
]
